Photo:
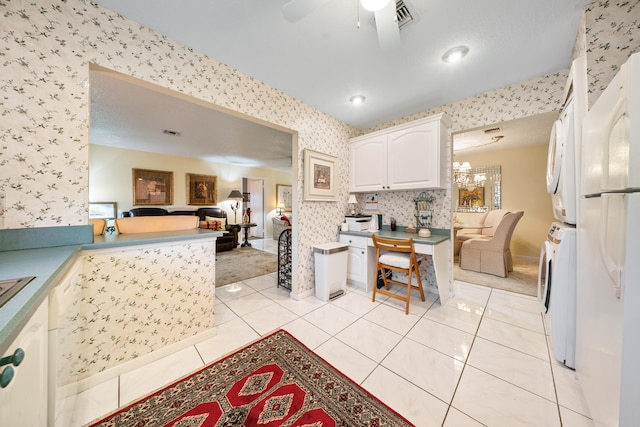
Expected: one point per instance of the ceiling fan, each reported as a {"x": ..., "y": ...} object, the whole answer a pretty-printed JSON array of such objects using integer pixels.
[{"x": 384, "y": 11}]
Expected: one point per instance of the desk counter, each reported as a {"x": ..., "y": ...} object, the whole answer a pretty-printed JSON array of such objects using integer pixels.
[{"x": 438, "y": 246}]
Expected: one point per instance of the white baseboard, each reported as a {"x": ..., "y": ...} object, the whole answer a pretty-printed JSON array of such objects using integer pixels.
[{"x": 108, "y": 374}]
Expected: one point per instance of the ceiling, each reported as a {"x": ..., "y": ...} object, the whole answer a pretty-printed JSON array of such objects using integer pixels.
[
  {"x": 131, "y": 114},
  {"x": 323, "y": 60}
]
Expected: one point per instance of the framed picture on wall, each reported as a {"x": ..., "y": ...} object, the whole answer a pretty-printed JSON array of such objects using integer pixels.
[
  {"x": 319, "y": 176},
  {"x": 103, "y": 210},
  {"x": 202, "y": 189},
  {"x": 152, "y": 187},
  {"x": 284, "y": 197},
  {"x": 473, "y": 197}
]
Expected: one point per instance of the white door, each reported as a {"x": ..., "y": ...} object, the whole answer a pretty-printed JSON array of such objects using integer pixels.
[{"x": 256, "y": 189}]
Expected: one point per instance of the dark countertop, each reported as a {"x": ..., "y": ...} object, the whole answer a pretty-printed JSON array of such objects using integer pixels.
[
  {"x": 437, "y": 235},
  {"x": 48, "y": 264}
]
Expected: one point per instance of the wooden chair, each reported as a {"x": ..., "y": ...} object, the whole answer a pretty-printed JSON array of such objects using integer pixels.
[
  {"x": 398, "y": 256},
  {"x": 99, "y": 226}
]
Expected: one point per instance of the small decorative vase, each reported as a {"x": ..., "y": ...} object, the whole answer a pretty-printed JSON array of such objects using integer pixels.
[{"x": 245, "y": 218}]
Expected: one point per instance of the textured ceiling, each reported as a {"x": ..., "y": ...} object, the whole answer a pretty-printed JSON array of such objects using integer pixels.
[{"x": 324, "y": 59}]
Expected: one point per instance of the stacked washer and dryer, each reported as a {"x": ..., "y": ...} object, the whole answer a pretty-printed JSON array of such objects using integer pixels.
[{"x": 558, "y": 268}]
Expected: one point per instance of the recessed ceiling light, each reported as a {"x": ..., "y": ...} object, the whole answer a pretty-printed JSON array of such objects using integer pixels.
[
  {"x": 357, "y": 99},
  {"x": 455, "y": 54}
]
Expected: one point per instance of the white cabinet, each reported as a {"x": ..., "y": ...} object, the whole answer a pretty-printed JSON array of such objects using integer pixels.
[
  {"x": 359, "y": 261},
  {"x": 23, "y": 402},
  {"x": 368, "y": 158},
  {"x": 405, "y": 157}
]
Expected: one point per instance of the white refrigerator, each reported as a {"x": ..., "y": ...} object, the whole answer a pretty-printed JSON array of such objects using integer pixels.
[{"x": 608, "y": 285}]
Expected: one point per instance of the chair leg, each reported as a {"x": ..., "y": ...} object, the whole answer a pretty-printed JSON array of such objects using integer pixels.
[
  {"x": 419, "y": 282},
  {"x": 406, "y": 309}
]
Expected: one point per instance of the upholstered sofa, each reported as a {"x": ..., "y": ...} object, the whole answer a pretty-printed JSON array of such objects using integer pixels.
[
  {"x": 207, "y": 219},
  {"x": 279, "y": 225}
]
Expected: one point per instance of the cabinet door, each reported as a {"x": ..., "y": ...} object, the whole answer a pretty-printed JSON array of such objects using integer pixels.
[
  {"x": 357, "y": 265},
  {"x": 368, "y": 159},
  {"x": 24, "y": 401},
  {"x": 414, "y": 157}
]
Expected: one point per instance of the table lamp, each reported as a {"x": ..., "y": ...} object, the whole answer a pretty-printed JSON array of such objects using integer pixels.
[
  {"x": 237, "y": 196},
  {"x": 280, "y": 207},
  {"x": 353, "y": 202}
]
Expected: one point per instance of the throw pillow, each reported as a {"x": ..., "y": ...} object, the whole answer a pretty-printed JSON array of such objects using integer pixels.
[
  {"x": 286, "y": 219},
  {"x": 221, "y": 223}
]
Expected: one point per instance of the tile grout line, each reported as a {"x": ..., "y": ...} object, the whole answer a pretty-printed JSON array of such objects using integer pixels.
[{"x": 455, "y": 390}]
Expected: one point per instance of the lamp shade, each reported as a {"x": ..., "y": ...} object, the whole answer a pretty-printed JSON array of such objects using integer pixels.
[
  {"x": 235, "y": 195},
  {"x": 352, "y": 199}
]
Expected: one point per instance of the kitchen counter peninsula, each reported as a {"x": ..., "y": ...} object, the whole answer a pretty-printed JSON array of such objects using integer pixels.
[{"x": 48, "y": 253}]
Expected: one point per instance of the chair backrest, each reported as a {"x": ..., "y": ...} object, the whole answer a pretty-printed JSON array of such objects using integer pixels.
[
  {"x": 492, "y": 219},
  {"x": 99, "y": 226},
  {"x": 155, "y": 224},
  {"x": 504, "y": 231},
  {"x": 381, "y": 244}
]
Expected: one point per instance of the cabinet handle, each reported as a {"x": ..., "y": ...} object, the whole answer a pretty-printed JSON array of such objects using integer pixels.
[
  {"x": 8, "y": 372},
  {"x": 362, "y": 252},
  {"x": 6, "y": 376},
  {"x": 15, "y": 359}
]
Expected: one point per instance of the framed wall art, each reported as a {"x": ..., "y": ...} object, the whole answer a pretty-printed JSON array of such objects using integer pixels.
[
  {"x": 473, "y": 197},
  {"x": 103, "y": 210},
  {"x": 202, "y": 189},
  {"x": 284, "y": 197},
  {"x": 152, "y": 187},
  {"x": 319, "y": 176}
]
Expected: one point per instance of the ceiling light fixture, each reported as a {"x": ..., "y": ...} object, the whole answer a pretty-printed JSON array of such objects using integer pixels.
[
  {"x": 455, "y": 54},
  {"x": 357, "y": 99},
  {"x": 374, "y": 5}
]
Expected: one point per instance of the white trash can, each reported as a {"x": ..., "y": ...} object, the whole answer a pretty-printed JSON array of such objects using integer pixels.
[{"x": 331, "y": 269}]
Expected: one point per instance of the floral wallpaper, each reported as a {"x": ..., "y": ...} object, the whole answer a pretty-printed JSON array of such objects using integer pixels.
[
  {"x": 47, "y": 48},
  {"x": 612, "y": 31},
  {"x": 134, "y": 301}
]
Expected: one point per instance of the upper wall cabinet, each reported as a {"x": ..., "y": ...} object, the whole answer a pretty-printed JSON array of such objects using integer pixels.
[{"x": 410, "y": 156}]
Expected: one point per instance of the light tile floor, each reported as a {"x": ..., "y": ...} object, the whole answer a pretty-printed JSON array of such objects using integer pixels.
[{"x": 481, "y": 359}]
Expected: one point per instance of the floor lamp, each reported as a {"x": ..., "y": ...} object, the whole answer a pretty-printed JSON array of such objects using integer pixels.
[{"x": 237, "y": 196}]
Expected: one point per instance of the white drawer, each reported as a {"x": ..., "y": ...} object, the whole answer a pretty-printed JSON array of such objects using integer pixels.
[{"x": 355, "y": 241}]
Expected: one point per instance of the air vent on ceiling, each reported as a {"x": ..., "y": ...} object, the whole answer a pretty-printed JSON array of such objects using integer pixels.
[
  {"x": 171, "y": 132},
  {"x": 492, "y": 130},
  {"x": 403, "y": 14}
]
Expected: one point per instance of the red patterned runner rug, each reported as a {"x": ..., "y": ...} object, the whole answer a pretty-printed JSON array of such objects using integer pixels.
[{"x": 276, "y": 381}]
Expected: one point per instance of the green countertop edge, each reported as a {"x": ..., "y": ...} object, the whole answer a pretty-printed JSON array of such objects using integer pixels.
[
  {"x": 438, "y": 235},
  {"x": 48, "y": 264}
]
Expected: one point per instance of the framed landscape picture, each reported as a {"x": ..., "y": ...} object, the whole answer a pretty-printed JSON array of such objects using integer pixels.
[
  {"x": 284, "y": 197},
  {"x": 202, "y": 189},
  {"x": 319, "y": 176},
  {"x": 103, "y": 210},
  {"x": 152, "y": 187},
  {"x": 473, "y": 197}
]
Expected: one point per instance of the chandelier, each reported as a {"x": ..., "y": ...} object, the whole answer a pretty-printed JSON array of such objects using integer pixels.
[{"x": 464, "y": 178}]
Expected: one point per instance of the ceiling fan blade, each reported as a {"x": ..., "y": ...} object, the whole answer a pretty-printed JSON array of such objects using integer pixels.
[
  {"x": 295, "y": 10},
  {"x": 387, "y": 26}
]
